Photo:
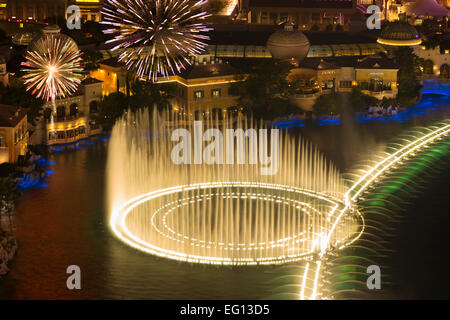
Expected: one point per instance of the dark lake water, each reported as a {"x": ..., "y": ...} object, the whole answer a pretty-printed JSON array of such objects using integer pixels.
[{"x": 64, "y": 223}]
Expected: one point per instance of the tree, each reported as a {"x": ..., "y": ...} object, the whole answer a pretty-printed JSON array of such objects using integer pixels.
[
  {"x": 16, "y": 94},
  {"x": 112, "y": 107},
  {"x": 360, "y": 101},
  {"x": 429, "y": 26},
  {"x": 265, "y": 91},
  {"x": 4, "y": 39},
  {"x": 215, "y": 6},
  {"x": 8, "y": 194},
  {"x": 145, "y": 94},
  {"x": 149, "y": 94},
  {"x": 327, "y": 104},
  {"x": 91, "y": 59},
  {"x": 408, "y": 75}
]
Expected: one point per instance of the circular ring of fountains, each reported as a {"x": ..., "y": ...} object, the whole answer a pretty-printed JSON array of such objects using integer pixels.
[
  {"x": 199, "y": 223},
  {"x": 224, "y": 214}
]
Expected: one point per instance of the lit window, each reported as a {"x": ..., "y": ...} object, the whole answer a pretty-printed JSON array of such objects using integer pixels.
[
  {"x": 215, "y": 93},
  {"x": 264, "y": 17},
  {"x": 345, "y": 84},
  {"x": 199, "y": 94},
  {"x": 273, "y": 18}
]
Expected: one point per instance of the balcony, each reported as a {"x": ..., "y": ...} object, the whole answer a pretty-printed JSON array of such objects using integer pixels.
[{"x": 65, "y": 118}]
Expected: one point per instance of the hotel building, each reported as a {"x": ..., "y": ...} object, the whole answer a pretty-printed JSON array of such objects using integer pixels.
[
  {"x": 73, "y": 119},
  {"x": 305, "y": 13},
  {"x": 13, "y": 133}
]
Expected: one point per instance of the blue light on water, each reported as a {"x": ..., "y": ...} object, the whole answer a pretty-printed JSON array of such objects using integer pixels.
[
  {"x": 325, "y": 122},
  {"x": 49, "y": 172},
  {"x": 57, "y": 149},
  {"x": 289, "y": 124},
  {"x": 298, "y": 123},
  {"x": 77, "y": 147},
  {"x": 424, "y": 107},
  {"x": 42, "y": 162},
  {"x": 89, "y": 143},
  {"x": 105, "y": 139},
  {"x": 28, "y": 184}
]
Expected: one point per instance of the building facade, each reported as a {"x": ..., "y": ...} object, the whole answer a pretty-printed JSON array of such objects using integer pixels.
[
  {"x": 34, "y": 10},
  {"x": 13, "y": 133},
  {"x": 74, "y": 115},
  {"x": 203, "y": 89},
  {"x": 374, "y": 75},
  {"x": 113, "y": 74},
  {"x": 90, "y": 9},
  {"x": 436, "y": 62},
  {"x": 305, "y": 13}
]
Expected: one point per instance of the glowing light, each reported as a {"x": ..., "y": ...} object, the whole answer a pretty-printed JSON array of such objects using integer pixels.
[
  {"x": 388, "y": 42},
  {"x": 229, "y": 8},
  {"x": 368, "y": 178},
  {"x": 158, "y": 35},
  {"x": 171, "y": 216},
  {"x": 53, "y": 67},
  {"x": 273, "y": 252}
]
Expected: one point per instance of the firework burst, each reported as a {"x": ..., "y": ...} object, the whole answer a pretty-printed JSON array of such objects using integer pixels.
[
  {"x": 156, "y": 36},
  {"x": 53, "y": 67}
]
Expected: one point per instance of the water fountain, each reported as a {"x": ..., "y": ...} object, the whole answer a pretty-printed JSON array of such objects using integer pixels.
[{"x": 225, "y": 212}]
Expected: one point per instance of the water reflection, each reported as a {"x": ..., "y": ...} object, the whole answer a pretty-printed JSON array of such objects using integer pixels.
[{"x": 65, "y": 224}]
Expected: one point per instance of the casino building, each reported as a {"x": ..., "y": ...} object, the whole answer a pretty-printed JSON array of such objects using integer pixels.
[
  {"x": 37, "y": 10},
  {"x": 90, "y": 9},
  {"x": 305, "y": 13},
  {"x": 323, "y": 65},
  {"x": 74, "y": 116},
  {"x": 13, "y": 133}
]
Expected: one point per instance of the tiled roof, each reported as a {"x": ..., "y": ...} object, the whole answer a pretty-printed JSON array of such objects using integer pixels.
[
  {"x": 112, "y": 62},
  {"x": 376, "y": 62},
  {"x": 10, "y": 116},
  {"x": 317, "y": 64},
  {"x": 196, "y": 71},
  {"x": 90, "y": 80}
]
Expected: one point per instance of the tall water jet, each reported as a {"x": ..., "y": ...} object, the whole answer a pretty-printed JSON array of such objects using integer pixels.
[{"x": 221, "y": 204}]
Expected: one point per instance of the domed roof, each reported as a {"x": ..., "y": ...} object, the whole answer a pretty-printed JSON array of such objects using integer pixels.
[
  {"x": 59, "y": 36},
  {"x": 426, "y": 8},
  {"x": 288, "y": 44},
  {"x": 22, "y": 38},
  {"x": 53, "y": 29},
  {"x": 399, "y": 33}
]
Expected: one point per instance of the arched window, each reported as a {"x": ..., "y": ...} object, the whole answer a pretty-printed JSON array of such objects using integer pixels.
[
  {"x": 60, "y": 113},
  {"x": 445, "y": 71},
  {"x": 2, "y": 141},
  {"x": 47, "y": 113},
  {"x": 199, "y": 114},
  {"x": 93, "y": 106},
  {"x": 73, "y": 109},
  {"x": 428, "y": 67},
  {"x": 232, "y": 111},
  {"x": 217, "y": 114}
]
